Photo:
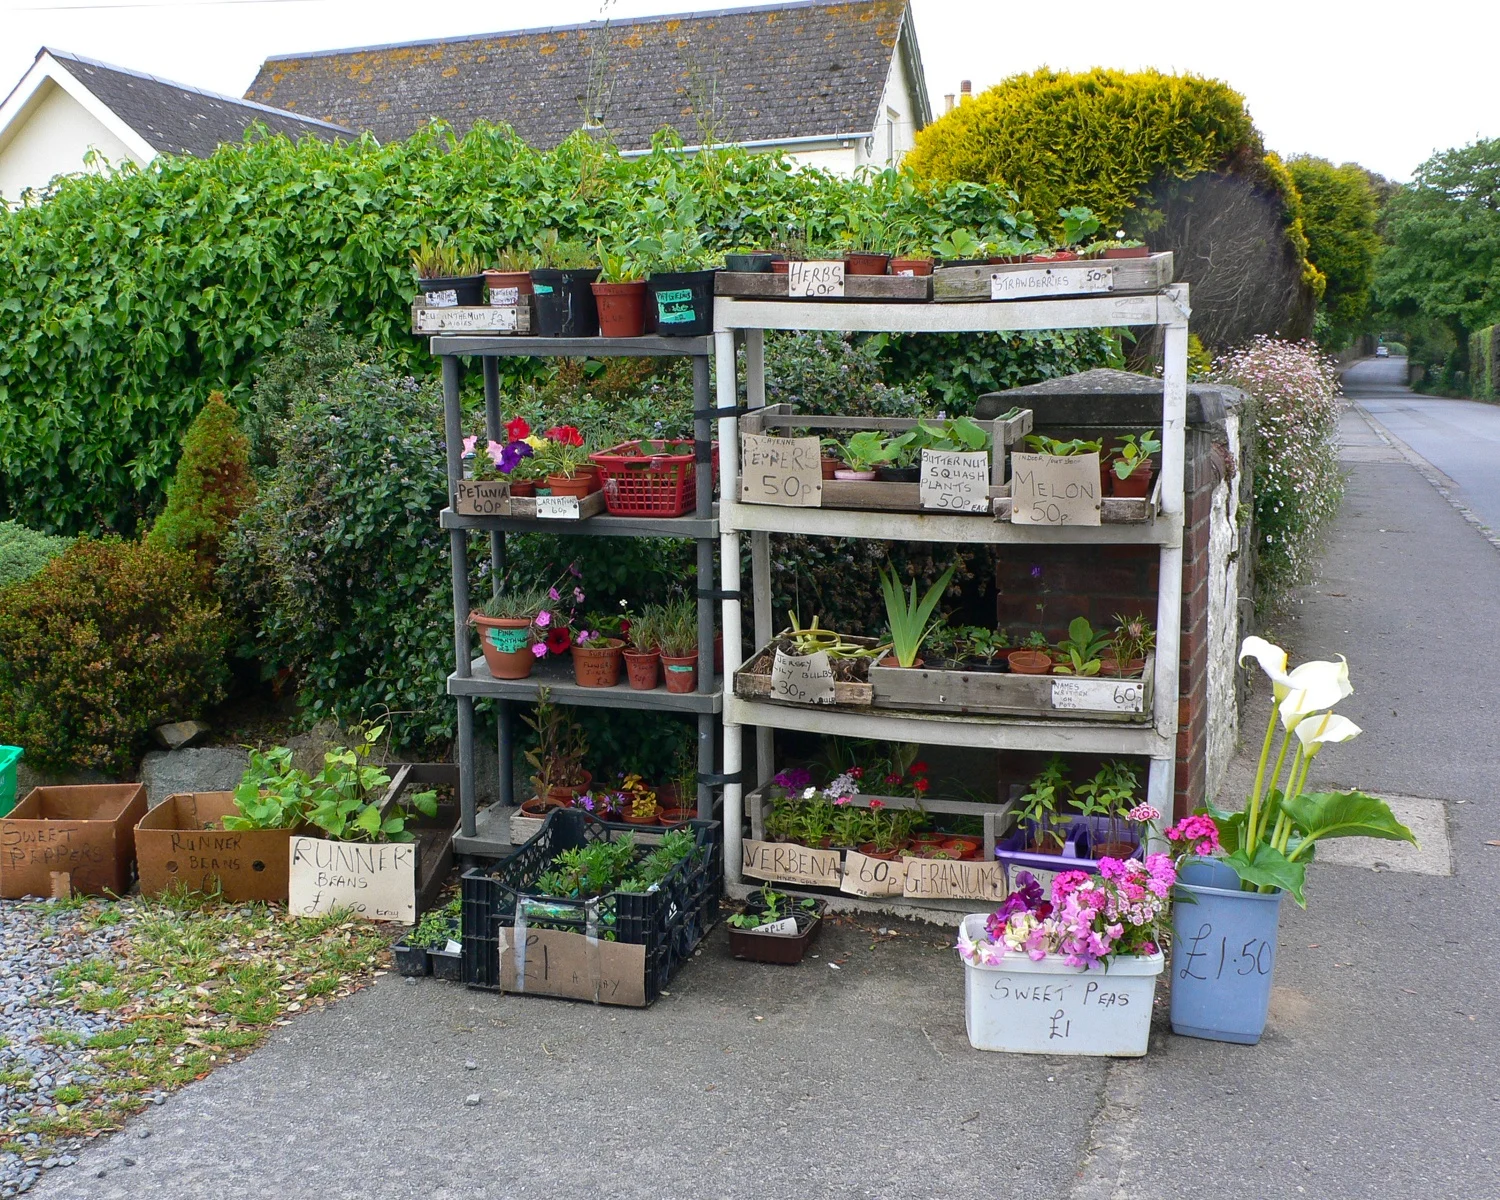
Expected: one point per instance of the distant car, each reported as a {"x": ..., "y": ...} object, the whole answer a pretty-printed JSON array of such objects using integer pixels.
[{"x": 1382, "y": 352}]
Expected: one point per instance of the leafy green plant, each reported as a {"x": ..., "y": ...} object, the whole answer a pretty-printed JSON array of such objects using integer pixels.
[
  {"x": 108, "y": 640},
  {"x": 677, "y": 628},
  {"x": 766, "y": 905},
  {"x": 907, "y": 616},
  {"x": 1081, "y": 649},
  {"x": 1036, "y": 640},
  {"x": 1044, "y": 798},
  {"x": 863, "y": 451},
  {"x": 557, "y": 457},
  {"x": 958, "y": 245},
  {"x": 560, "y": 749},
  {"x": 1134, "y": 453},
  {"x": 676, "y": 846},
  {"x": 437, "y": 927},
  {"x": 24, "y": 552},
  {"x": 437, "y": 260},
  {"x": 1077, "y": 223},
  {"x": 559, "y": 254},
  {"x": 626, "y": 262},
  {"x": 272, "y": 793},
  {"x": 516, "y": 259},
  {"x": 979, "y": 642},
  {"x": 645, "y": 628},
  {"x": 211, "y": 486},
  {"x": 1133, "y": 638},
  {"x": 1040, "y": 443},
  {"x": 585, "y": 872},
  {"x": 957, "y": 434}
]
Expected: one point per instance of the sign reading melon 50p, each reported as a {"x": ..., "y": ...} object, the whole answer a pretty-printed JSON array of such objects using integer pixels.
[
  {"x": 1052, "y": 489},
  {"x": 780, "y": 470}
]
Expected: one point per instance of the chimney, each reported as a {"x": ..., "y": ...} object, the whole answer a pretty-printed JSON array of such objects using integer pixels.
[
  {"x": 948, "y": 102},
  {"x": 965, "y": 90}
]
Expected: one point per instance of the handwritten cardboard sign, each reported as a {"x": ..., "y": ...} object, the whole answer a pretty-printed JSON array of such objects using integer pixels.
[
  {"x": 1100, "y": 695},
  {"x": 784, "y": 862},
  {"x": 179, "y": 843},
  {"x": 505, "y": 297},
  {"x": 84, "y": 832},
  {"x": 448, "y": 319},
  {"x": 377, "y": 880},
  {"x": 955, "y": 481},
  {"x": 865, "y": 876},
  {"x": 557, "y": 508},
  {"x": 1072, "y": 280},
  {"x": 550, "y": 962},
  {"x": 442, "y": 298},
  {"x": 815, "y": 280},
  {"x": 1051, "y": 489},
  {"x": 802, "y": 678},
  {"x": 781, "y": 470},
  {"x": 940, "y": 879},
  {"x": 482, "y": 498}
]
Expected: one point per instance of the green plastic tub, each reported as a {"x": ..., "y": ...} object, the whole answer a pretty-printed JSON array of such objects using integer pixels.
[{"x": 9, "y": 757}]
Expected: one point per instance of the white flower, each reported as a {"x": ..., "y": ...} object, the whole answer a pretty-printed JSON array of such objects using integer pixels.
[
  {"x": 1311, "y": 688},
  {"x": 810, "y": 793},
  {"x": 1271, "y": 657},
  {"x": 1315, "y": 733}
]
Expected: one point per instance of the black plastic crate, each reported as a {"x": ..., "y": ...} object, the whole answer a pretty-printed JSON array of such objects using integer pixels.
[{"x": 669, "y": 921}]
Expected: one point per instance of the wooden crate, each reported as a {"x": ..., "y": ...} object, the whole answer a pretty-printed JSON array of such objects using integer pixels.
[
  {"x": 878, "y": 495},
  {"x": 1043, "y": 281},
  {"x": 767, "y": 285},
  {"x": 959, "y": 691},
  {"x": 1113, "y": 510},
  {"x": 588, "y": 506},
  {"x": 750, "y": 686},
  {"x": 478, "y": 318}
]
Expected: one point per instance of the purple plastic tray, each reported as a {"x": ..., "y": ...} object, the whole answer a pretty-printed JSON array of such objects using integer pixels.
[{"x": 1078, "y": 839}]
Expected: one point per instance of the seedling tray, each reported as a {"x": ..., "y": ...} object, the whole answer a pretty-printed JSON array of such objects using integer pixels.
[
  {"x": 1093, "y": 698},
  {"x": 778, "y": 947}
]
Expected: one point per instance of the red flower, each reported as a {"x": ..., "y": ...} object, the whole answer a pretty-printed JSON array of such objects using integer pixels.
[
  {"x": 920, "y": 785},
  {"x": 517, "y": 429},
  {"x": 856, "y": 772},
  {"x": 877, "y": 803},
  {"x": 919, "y": 768},
  {"x": 893, "y": 779},
  {"x": 559, "y": 639},
  {"x": 568, "y": 435}
]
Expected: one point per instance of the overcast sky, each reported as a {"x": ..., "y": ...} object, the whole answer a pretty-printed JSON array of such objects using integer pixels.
[{"x": 1376, "y": 82}]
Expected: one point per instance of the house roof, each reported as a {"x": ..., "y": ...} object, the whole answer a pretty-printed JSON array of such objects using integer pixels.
[
  {"x": 176, "y": 119},
  {"x": 817, "y": 68}
]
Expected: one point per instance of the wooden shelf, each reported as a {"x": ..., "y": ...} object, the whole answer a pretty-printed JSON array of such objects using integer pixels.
[
  {"x": 556, "y": 674},
  {"x": 600, "y": 526},
  {"x": 510, "y": 346}
]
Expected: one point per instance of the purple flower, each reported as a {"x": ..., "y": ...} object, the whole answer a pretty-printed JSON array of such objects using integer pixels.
[
  {"x": 574, "y": 571},
  {"x": 543, "y": 619},
  {"x": 539, "y": 650},
  {"x": 552, "y": 594},
  {"x": 1036, "y": 571},
  {"x": 511, "y": 455}
]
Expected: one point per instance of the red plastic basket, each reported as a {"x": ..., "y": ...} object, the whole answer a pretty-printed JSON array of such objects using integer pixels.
[{"x": 648, "y": 478}]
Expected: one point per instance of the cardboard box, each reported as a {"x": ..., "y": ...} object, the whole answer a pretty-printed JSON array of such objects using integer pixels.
[
  {"x": 182, "y": 842},
  {"x": 71, "y": 839}
]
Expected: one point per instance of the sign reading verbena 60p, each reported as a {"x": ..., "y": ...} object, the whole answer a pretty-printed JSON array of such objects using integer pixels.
[{"x": 779, "y": 470}]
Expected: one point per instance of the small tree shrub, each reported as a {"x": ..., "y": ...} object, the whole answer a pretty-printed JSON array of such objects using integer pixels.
[
  {"x": 1294, "y": 453},
  {"x": 108, "y": 640},
  {"x": 211, "y": 486},
  {"x": 24, "y": 552}
]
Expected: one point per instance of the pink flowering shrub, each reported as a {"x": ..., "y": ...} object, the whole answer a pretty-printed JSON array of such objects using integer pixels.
[
  {"x": 1194, "y": 835},
  {"x": 1124, "y": 909},
  {"x": 1295, "y": 472}
]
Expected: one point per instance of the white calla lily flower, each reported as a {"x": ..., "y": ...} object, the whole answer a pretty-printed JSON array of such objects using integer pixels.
[
  {"x": 1272, "y": 660},
  {"x": 1315, "y": 733},
  {"x": 1311, "y": 688}
]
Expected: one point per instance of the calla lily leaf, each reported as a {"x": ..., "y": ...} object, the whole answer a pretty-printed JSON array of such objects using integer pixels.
[
  {"x": 1271, "y": 868},
  {"x": 1344, "y": 814}
]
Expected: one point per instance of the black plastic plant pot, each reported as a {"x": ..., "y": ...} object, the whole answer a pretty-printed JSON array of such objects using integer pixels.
[
  {"x": 565, "y": 302},
  {"x": 773, "y": 947},
  {"x": 754, "y": 264},
  {"x": 448, "y": 965},
  {"x": 451, "y": 291},
  {"x": 899, "y": 474},
  {"x": 411, "y": 960},
  {"x": 683, "y": 303}
]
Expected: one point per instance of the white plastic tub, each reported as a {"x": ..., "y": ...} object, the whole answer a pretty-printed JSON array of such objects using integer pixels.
[{"x": 1048, "y": 1007}]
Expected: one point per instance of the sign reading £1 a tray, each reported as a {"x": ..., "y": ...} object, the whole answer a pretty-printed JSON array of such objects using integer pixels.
[
  {"x": 781, "y": 470},
  {"x": 1054, "y": 489},
  {"x": 956, "y": 481},
  {"x": 802, "y": 678}
]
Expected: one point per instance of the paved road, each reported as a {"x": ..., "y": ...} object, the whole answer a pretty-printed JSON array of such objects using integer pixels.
[{"x": 1460, "y": 438}]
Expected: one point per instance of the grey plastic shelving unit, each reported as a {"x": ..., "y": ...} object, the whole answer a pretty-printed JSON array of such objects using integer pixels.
[{"x": 470, "y": 679}]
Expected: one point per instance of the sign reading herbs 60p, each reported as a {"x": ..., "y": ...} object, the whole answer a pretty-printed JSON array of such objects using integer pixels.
[
  {"x": 780, "y": 470},
  {"x": 815, "y": 280},
  {"x": 1053, "y": 489}
]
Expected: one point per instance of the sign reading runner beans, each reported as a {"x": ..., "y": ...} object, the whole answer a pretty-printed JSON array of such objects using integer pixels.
[
  {"x": 675, "y": 307},
  {"x": 377, "y": 880}
]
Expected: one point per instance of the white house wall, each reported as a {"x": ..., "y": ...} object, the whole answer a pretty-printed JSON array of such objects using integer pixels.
[{"x": 52, "y": 139}]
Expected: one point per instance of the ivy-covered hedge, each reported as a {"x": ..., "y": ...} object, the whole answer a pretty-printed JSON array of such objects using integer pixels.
[{"x": 126, "y": 299}]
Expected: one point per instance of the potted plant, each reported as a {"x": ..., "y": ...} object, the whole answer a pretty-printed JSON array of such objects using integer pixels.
[
  {"x": 446, "y": 276},
  {"x": 556, "y": 759},
  {"x": 961, "y": 248},
  {"x": 1130, "y": 466},
  {"x": 860, "y": 454},
  {"x": 907, "y": 617},
  {"x": 1078, "y": 223},
  {"x": 425, "y": 950},
  {"x": 681, "y": 285},
  {"x": 984, "y": 645},
  {"x": 911, "y": 252},
  {"x": 565, "y": 461},
  {"x": 677, "y": 635},
  {"x": 508, "y": 631},
  {"x": 1080, "y": 652},
  {"x": 1033, "y": 657},
  {"x": 509, "y": 281},
  {"x": 596, "y": 650},
  {"x": 775, "y": 928},
  {"x": 620, "y": 292},
  {"x": 678, "y": 797},
  {"x": 1133, "y": 639},
  {"x": 752, "y": 262},
  {"x": 1106, "y": 929},
  {"x": 901, "y": 456},
  {"x": 562, "y": 285},
  {"x": 1039, "y": 805},
  {"x": 1116, "y": 247},
  {"x": 1105, "y": 802},
  {"x": 640, "y": 806},
  {"x": 1237, "y": 866},
  {"x": 643, "y": 655},
  {"x": 867, "y": 245}
]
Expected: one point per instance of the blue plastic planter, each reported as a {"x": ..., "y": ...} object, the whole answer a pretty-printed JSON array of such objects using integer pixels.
[{"x": 1223, "y": 954}]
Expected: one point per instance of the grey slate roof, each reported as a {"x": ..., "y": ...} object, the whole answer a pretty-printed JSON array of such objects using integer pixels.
[
  {"x": 808, "y": 69},
  {"x": 1106, "y": 396},
  {"x": 177, "y": 119}
]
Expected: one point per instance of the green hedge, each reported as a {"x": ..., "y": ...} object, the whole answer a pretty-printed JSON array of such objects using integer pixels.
[
  {"x": 24, "y": 552},
  {"x": 1484, "y": 363},
  {"x": 126, "y": 299}
]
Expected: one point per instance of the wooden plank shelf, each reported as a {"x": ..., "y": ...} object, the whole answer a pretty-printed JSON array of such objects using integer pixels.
[
  {"x": 1053, "y": 280},
  {"x": 575, "y": 347},
  {"x": 767, "y": 285},
  {"x": 556, "y": 675},
  {"x": 603, "y": 525}
]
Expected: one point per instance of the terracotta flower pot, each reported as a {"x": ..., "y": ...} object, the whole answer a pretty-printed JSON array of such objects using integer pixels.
[
  {"x": 854, "y": 476},
  {"x": 866, "y": 264},
  {"x": 642, "y": 669},
  {"x": 911, "y": 266},
  {"x": 681, "y": 671},
  {"x": 597, "y": 664},
  {"x": 830, "y": 466},
  {"x": 1136, "y": 486},
  {"x": 539, "y": 806},
  {"x": 565, "y": 794},
  {"x": 629, "y": 817},
  {"x": 622, "y": 308},
  {"x": 1128, "y": 252},
  {"x": 780, "y": 266},
  {"x": 1054, "y": 256},
  {"x": 522, "y": 487},
  {"x": 507, "y": 287},
  {"x": 1029, "y": 662},
  {"x": 1110, "y": 666},
  {"x": 869, "y": 851},
  {"x": 675, "y": 816},
  {"x": 580, "y": 485},
  {"x": 1112, "y": 849},
  {"x": 962, "y": 847},
  {"x": 506, "y": 643}
]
